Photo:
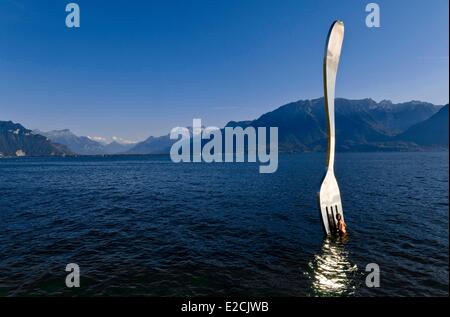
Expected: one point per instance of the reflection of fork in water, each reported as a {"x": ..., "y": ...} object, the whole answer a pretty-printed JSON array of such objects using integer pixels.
[{"x": 332, "y": 273}]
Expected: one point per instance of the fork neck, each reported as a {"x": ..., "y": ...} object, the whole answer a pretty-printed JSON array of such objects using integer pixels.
[
  {"x": 329, "y": 85},
  {"x": 331, "y": 151}
]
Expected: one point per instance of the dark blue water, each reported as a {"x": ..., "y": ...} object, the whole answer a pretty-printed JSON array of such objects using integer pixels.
[{"x": 147, "y": 226}]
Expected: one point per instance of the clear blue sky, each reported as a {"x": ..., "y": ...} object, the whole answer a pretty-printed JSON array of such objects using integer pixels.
[{"x": 139, "y": 68}]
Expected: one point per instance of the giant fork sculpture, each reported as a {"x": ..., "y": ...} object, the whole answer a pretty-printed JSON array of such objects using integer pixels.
[{"x": 329, "y": 196}]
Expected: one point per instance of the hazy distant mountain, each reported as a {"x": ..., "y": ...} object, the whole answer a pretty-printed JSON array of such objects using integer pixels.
[
  {"x": 153, "y": 145},
  {"x": 85, "y": 145},
  {"x": 361, "y": 125},
  {"x": 431, "y": 132},
  {"x": 77, "y": 144},
  {"x": 117, "y": 148},
  {"x": 15, "y": 140}
]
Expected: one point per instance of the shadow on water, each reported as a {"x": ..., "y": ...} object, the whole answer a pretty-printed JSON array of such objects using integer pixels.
[{"x": 331, "y": 272}]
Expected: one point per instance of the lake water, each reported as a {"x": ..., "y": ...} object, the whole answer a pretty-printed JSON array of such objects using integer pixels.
[{"x": 142, "y": 225}]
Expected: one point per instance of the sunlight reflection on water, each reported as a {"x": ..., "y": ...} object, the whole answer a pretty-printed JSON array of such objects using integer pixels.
[{"x": 331, "y": 270}]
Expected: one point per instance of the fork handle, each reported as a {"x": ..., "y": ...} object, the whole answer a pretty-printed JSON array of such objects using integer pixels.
[{"x": 330, "y": 67}]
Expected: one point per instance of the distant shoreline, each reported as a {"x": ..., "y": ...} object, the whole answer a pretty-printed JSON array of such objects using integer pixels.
[{"x": 422, "y": 150}]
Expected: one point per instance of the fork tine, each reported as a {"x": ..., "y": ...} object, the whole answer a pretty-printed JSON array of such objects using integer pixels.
[{"x": 333, "y": 212}]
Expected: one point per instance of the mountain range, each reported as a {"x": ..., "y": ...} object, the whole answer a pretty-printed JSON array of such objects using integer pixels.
[
  {"x": 15, "y": 140},
  {"x": 84, "y": 145},
  {"x": 361, "y": 125},
  {"x": 433, "y": 131}
]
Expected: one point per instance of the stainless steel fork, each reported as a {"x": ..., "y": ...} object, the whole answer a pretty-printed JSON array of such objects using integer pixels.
[{"x": 329, "y": 195}]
